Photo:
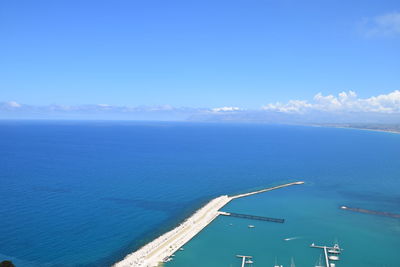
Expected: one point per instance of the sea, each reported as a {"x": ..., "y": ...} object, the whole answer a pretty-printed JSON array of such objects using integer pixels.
[{"x": 87, "y": 193}]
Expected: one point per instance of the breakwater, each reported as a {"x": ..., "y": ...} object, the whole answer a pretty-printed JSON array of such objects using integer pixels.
[
  {"x": 373, "y": 212},
  {"x": 167, "y": 244}
]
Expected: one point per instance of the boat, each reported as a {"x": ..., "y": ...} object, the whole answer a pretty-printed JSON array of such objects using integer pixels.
[
  {"x": 181, "y": 249},
  {"x": 249, "y": 261},
  {"x": 335, "y": 250},
  {"x": 251, "y": 226},
  {"x": 333, "y": 257},
  {"x": 276, "y": 265},
  {"x": 319, "y": 264},
  {"x": 292, "y": 263},
  {"x": 167, "y": 259}
]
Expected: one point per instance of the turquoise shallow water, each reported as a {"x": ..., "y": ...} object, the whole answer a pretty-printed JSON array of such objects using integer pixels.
[
  {"x": 88, "y": 193},
  {"x": 368, "y": 241}
]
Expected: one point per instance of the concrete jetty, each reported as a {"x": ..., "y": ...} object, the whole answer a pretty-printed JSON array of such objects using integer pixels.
[{"x": 163, "y": 247}]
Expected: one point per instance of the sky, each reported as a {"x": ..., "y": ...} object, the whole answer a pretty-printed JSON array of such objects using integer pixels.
[{"x": 219, "y": 56}]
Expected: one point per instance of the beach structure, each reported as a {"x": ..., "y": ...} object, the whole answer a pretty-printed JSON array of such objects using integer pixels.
[{"x": 162, "y": 248}]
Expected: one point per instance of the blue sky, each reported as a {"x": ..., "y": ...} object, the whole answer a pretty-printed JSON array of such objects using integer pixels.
[{"x": 196, "y": 54}]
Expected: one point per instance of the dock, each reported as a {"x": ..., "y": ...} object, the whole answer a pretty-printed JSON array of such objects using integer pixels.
[
  {"x": 335, "y": 250},
  {"x": 244, "y": 261},
  {"x": 252, "y": 217},
  {"x": 161, "y": 248},
  {"x": 326, "y": 257}
]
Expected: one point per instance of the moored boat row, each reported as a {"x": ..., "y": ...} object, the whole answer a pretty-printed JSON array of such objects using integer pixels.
[{"x": 331, "y": 254}]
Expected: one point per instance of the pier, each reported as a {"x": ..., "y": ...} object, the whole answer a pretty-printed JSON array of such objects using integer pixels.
[
  {"x": 333, "y": 250},
  {"x": 252, "y": 217},
  {"x": 244, "y": 261},
  {"x": 161, "y": 248}
]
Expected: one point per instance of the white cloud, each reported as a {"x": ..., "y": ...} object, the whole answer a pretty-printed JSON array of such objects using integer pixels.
[
  {"x": 383, "y": 25},
  {"x": 13, "y": 104},
  {"x": 344, "y": 102},
  {"x": 293, "y": 106},
  {"x": 225, "y": 109}
]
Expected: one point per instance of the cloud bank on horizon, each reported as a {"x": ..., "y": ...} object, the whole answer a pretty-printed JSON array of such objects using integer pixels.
[
  {"x": 345, "y": 102},
  {"x": 345, "y": 107}
]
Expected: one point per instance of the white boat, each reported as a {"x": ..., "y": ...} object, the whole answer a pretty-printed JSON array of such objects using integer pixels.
[
  {"x": 335, "y": 250},
  {"x": 249, "y": 261},
  {"x": 167, "y": 259},
  {"x": 181, "y": 249},
  {"x": 333, "y": 257},
  {"x": 251, "y": 226}
]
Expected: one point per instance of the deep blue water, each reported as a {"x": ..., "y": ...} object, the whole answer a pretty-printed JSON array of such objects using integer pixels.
[{"x": 87, "y": 193}]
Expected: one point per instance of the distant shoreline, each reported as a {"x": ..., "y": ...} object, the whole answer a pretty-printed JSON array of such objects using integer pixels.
[{"x": 357, "y": 128}]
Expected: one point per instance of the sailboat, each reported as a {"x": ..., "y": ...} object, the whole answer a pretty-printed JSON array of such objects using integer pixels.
[
  {"x": 276, "y": 265},
  {"x": 319, "y": 264},
  {"x": 292, "y": 263}
]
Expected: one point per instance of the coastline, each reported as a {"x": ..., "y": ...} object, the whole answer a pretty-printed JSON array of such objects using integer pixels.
[
  {"x": 161, "y": 248},
  {"x": 356, "y": 128}
]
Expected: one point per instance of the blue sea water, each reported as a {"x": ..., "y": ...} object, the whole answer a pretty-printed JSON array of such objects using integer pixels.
[{"x": 88, "y": 193}]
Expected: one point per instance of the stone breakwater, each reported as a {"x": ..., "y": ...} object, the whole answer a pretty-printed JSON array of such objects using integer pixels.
[{"x": 167, "y": 244}]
